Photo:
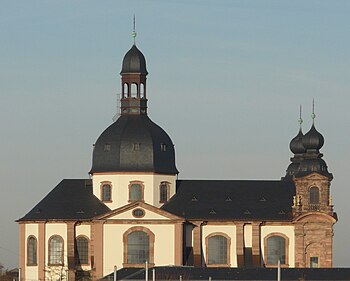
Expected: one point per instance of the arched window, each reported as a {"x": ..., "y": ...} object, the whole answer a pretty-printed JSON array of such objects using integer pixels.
[
  {"x": 218, "y": 249},
  {"x": 314, "y": 194},
  {"x": 106, "y": 192},
  {"x": 82, "y": 250},
  {"x": 275, "y": 250},
  {"x": 163, "y": 192},
  {"x": 138, "y": 247},
  {"x": 125, "y": 90},
  {"x": 142, "y": 91},
  {"x": 56, "y": 250},
  {"x": 135, "y": 192},
  {"x": 31, "y": 250},
  {"x": 134, "y": 92}
]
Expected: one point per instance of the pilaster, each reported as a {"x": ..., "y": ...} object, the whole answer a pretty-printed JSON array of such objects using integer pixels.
[
  {"x": 41, "y": 250},
  {"x": 240, "y": 244},
  {"x": 71, "y": 250},
  {"x": 256, "y": 244},
  {"x": 97, "y": 249}
]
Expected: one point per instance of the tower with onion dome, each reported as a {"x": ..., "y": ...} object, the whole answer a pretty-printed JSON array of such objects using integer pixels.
[{"x": 312, "y": 209}]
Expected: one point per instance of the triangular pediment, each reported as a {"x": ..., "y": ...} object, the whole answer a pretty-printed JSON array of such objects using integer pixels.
[{"x": 139, "y": 211}]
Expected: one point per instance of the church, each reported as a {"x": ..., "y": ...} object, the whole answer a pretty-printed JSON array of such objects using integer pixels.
[{"x": 133, "y": 209}]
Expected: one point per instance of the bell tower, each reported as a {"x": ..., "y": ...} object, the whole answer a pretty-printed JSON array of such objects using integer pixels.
[
  {"x": 133, "y": 77},
  {"x": 313, "y": 215}
]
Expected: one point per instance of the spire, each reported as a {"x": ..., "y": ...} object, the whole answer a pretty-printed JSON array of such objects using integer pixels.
[
  {"x": 300, "y": 121},
  {"x": 313, "y": 115},
  {"x": 133, "y": 34}
]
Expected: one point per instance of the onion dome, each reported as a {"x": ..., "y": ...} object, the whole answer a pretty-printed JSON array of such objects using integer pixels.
[
  {"x": 296, "y": 144},
  {"x": 313, "y": 140},
  {"x": 134, "y": 144},
  {"x": 134, "y": 62}
]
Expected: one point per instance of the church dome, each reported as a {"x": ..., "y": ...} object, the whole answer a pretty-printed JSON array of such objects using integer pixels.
[
  {"x": 134, "y": 143},
  {"x": 134, "y": 62},
  {"x": 313, "y": 139},
  {"x": 296, "y": 144}
]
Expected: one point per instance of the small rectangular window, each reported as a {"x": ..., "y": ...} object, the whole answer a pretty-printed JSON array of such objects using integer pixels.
[
  {"x": 107, "y": 147},
  {"x": 314, "y": 262},
  {"x": 136, "y": 147},
  {"x": 163, "y": 147}
]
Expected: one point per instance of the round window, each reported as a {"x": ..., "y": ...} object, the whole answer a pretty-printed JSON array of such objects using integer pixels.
[{"x": 138, "y": 213}]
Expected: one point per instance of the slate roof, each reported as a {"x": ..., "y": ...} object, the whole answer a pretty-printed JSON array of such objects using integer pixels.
[
  {"x": 121, "y": 156},
  {"x": 71, "y": 199},
  {"x": 232, "y": 199},
  {"x": 134, "y": 62},
  {"x": 203, "y": 273}
]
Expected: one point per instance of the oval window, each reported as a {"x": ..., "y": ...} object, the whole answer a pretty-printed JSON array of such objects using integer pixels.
[{"x": 138, "y": 213}]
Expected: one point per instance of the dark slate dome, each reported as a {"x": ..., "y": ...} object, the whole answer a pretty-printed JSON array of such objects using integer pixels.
[
  {"x": 292, "y": 169},
  {"x": 134, "y": 62},
  {"x": 296, "y": 144},
  {"x": 317, "y": 165},
  {"x": 134, "y": 144},
  {"x": 313, "y": 139}
]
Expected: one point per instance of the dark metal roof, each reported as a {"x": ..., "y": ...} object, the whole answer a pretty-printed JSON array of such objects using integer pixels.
[
  {"x": 232, "y": 199},
  {"x": 313, "y": 139},
  {"x": 313, "y": 165},
  {"x": 71, "y": 199},
  {"x": 296, "y": 144},
  {"x": 121, "y": 138},
  {"x": 134, "y": 62},
  {"x": 216, "y": 273}
]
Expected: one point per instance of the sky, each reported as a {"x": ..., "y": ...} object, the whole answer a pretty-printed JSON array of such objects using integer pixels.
[{"x": 226, "y": 79}]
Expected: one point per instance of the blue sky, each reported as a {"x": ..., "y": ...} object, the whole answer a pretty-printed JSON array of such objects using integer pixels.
[{"x": 226, "y": 80}]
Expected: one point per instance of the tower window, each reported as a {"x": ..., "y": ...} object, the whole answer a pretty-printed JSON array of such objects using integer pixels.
[
  {"x": 126, "y": 90},
  {"x": 164, "y": 190},
  {"x": 142, "y": 91},
  {"x": 163, "y": 147},
  {"x": 314, "y": 195},
  {"x": 107, "y": 147},
  {"x": 106, "y": 192},
  {"x": 134, "y": 90},
  {"x": 314, "y": 262}
]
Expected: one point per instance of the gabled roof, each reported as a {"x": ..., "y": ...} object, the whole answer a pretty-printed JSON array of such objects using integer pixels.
[
  {"x": 137, "y": 205},
  {"x": 232, "y": 200},
  {"x": 71, "y": 199}
]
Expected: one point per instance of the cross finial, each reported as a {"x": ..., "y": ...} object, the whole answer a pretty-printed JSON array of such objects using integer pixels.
[
  {"x": 313, "y": 115},
  {"x": 300, "y": 121},
  {"x": 134, "y": 31}
]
